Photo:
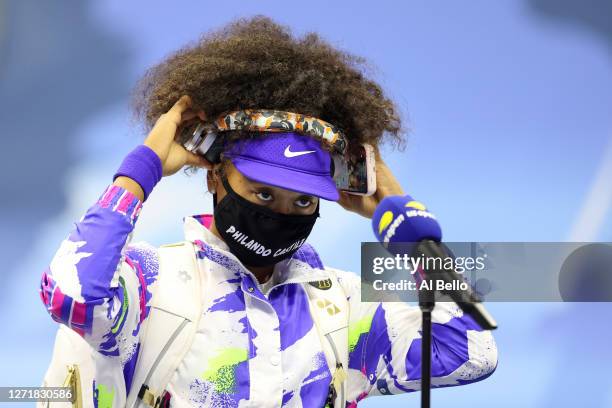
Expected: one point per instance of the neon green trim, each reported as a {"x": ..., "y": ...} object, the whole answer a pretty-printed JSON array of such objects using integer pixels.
[
  {"x": 105, "y": 397},
  {"x": 124, "y": 307},
  {"x": 357, "y": 329}
]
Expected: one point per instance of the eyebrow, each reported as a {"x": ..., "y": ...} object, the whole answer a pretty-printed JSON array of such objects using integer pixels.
[
  {"x": 307, "y": 196},
  {"x": 258, "y": 185}
]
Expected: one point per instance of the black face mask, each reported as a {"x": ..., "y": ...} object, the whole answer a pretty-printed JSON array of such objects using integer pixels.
[{"x": 257, "y": 235}]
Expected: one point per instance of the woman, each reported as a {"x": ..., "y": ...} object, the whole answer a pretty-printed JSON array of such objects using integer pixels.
[{"x": 261, "y": 333}]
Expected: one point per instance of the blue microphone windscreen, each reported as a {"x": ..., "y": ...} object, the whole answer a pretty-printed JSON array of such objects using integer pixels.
[{"x": 402, "y": 219}]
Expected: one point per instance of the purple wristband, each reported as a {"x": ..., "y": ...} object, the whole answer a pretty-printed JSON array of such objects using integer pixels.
[{"x": 143, "y": 166}]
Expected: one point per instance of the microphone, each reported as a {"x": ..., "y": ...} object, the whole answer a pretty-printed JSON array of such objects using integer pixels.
[{"x": 403, "y": 219}]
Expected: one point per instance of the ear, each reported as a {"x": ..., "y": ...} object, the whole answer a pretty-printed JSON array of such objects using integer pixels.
[{"x": 213, "y": 179}]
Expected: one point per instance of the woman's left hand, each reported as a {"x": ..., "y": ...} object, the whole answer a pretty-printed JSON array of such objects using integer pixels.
[{"x": 386, "y": 185}]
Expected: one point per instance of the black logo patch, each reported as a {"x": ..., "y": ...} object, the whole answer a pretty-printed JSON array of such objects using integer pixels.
[{"x": 324, "y": 284}]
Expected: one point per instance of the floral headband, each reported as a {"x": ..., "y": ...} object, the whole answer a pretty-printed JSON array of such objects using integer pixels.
[{"x": 265, "y": 120}]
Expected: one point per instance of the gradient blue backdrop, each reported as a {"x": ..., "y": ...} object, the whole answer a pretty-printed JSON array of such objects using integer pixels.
[{"x": 509, "y": 106}]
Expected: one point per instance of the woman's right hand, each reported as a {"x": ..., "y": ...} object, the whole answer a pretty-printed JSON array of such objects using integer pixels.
[
  {"x": 173, "y": 156},
  {"x": 161, "y": 139}
]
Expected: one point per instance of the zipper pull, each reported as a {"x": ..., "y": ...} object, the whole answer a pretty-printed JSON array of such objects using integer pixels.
[
  {"x": 339, "y": 376},
  {"x": 73, "y": 380}
]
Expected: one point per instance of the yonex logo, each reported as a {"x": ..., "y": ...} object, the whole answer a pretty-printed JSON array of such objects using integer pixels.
[
  {"x": 328, "y": 306},
  {"x": 290, "y": 154}
]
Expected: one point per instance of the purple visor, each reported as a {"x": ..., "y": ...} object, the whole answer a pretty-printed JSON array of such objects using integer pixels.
[{"x": 287, "y": 160}]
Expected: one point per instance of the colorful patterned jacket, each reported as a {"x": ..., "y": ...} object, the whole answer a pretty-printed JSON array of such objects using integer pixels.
[{"x": 84, "y": 289}]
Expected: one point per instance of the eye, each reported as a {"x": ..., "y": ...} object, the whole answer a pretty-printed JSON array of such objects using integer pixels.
[
  {"x": 264, "y": 196},
  {"x": 304, "y": 202}
]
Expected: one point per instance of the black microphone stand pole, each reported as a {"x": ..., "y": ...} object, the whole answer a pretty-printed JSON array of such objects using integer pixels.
[
  {"x": 469, "y": 302},
  {"x": 426, "y": 304}
]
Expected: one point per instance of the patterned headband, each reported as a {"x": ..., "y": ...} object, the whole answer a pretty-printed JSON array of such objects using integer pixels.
[{"x": 265, "y": 120}]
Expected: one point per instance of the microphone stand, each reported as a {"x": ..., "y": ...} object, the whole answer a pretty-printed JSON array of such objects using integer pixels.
[
  {"x": 468, "y": 301},
  {"x": 427, "y": 303}
]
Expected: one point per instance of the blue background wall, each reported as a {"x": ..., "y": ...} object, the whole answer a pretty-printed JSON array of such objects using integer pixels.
[{"x": 509, "y": 106}]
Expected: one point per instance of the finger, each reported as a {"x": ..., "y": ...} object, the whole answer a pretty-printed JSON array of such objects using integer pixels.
[
  {"x": 176, "y": 111},
  {"x": 202, "y": 115},
  {"x": 188, "y": 115},
  {"x": 346, "y": 200},
  {"x": 168, "y": 123},
  {"x": 198, "y": 161},
  {"x": 183, "y": 103},
  {"x": 189, "y": 118}
]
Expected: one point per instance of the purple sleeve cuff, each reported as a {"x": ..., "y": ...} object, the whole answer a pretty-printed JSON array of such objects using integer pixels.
[{"x": 143, "y": 166}]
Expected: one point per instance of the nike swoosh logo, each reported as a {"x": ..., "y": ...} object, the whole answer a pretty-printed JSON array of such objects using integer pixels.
[{"x": 289, "y": 153}]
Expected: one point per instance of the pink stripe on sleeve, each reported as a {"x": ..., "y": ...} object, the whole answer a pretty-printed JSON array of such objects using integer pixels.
[
  {"x": 57, "y": 301},
  {"x": 78, "y": 314},
  {"x": 108, "y": 196},
  {"x": 124, "y": 202}
]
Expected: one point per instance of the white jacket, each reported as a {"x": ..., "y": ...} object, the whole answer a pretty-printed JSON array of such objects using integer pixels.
[{"x": 250, "y": 348}]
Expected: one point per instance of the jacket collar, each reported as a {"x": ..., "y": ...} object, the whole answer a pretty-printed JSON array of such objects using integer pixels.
[
  {"x": 196, "y": 228},
  {"x": 304, "y": 266}
]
